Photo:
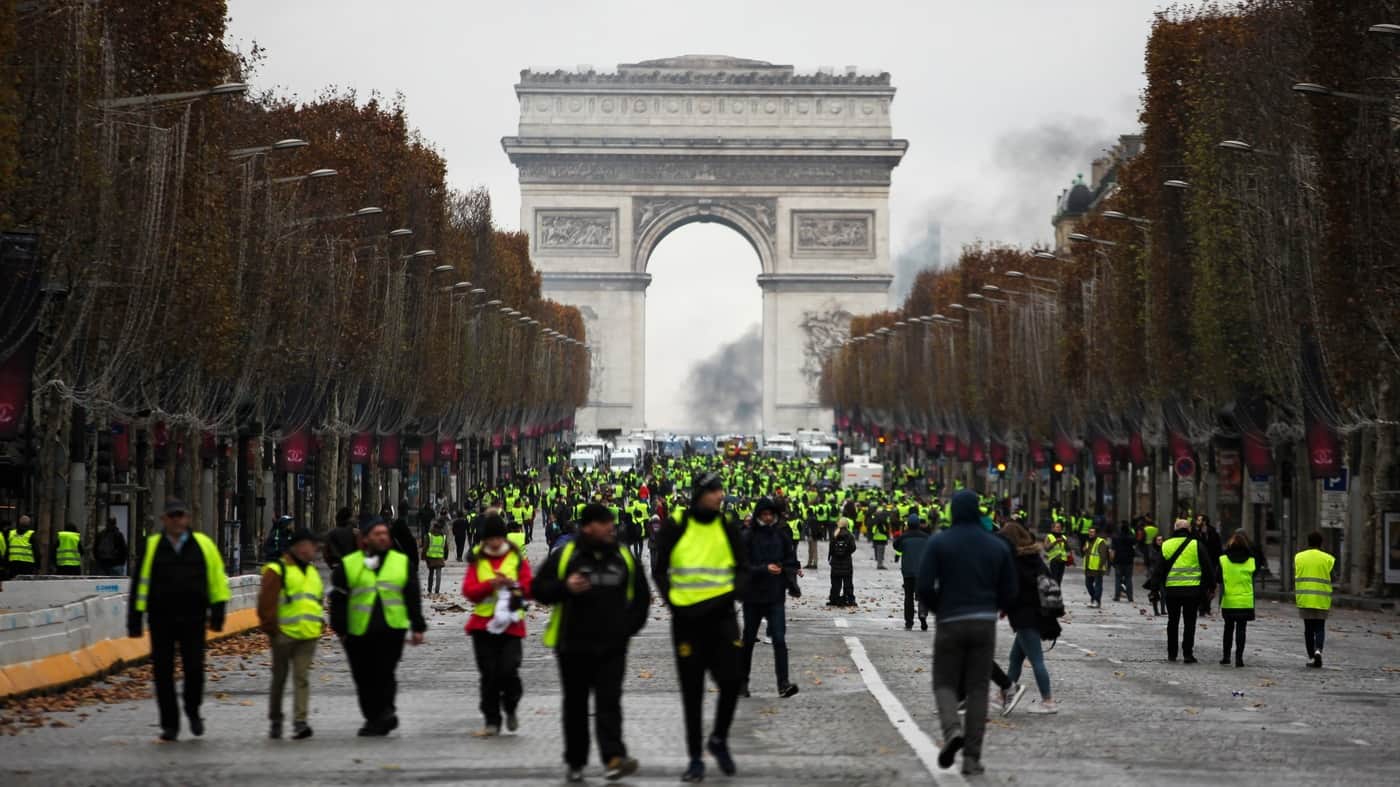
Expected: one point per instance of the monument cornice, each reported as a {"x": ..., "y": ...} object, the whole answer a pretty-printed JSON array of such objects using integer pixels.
[{"x": 853, "y": 146}]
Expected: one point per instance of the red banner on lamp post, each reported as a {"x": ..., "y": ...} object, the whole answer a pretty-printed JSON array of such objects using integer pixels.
[
  {"x": 361, "y": 447},
  {"x": 295, "y": 449}
]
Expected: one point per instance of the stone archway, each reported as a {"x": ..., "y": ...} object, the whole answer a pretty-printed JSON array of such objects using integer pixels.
[{"x": 799, "y": 165}]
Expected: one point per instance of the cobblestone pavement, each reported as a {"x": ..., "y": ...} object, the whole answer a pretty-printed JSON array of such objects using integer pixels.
[{"x": 1127, "y": 716}]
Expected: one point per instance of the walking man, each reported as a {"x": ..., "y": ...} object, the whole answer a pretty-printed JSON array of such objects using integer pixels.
[
  {"x": 1312, "y": 592},
  {"x": 600, "y": 599},
  {"x": 701, "y": 567},
  {"x": 180, "y": 588},
  {"x": 1187, "y": 579},
  {"x": 111, "y": 550},
  {"x": 1057, "y": 551},
  {"x": 374, "y": 602},
  {"x": 435, "y": 555},
  {"x": 290, "y": 606},
  {"x": 840, "y": 552},
  {"x": 1096, "y": 560},
  {"x": 910, "y": 545},
  {"x": 966, "y": 576},
  {"x": 773, "y": 572}
]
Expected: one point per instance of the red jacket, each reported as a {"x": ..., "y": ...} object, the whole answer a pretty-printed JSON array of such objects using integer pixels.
[{"x": 477, "y": 591}]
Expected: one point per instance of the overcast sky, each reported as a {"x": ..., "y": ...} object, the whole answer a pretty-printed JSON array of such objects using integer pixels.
[{"x": 1002, "y": 101}]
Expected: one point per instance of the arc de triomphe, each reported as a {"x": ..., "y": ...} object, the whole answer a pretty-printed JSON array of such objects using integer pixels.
[{"x": 799, "y": 164}]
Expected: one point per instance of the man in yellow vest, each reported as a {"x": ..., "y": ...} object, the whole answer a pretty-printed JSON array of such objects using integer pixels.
[
  {"x": 435, "y": 553},
  {"x": 1095, "y": 566},
  {"x": 1312, "y": 592},
  {"x": 1188, "y": 576},
  {"x": 497, "y": 584},
  {"x": 181, "y": 585},
  {"x": 21, "y": 548},
  {"x": 68, "y": 551},
  {"x": 701, "y": 567},
  {"x": 600, "y": 599},
  {"x": 1057, "y": 551},
  {"x": 289, "y": 612},
  {"x": 374, "y": 602}
]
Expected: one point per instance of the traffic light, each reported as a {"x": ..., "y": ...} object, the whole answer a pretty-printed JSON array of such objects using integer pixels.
[
  {"x": 1001, "y": 467},
  {"x": 104, "y": 455},
  {"x": 882, "y": 439},
  {"x": 1058, "y": 468}
]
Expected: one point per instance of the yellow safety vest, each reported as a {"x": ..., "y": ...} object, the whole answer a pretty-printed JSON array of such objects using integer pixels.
[
  {"x": 216, "y": 580},
  {"x": 702, "y": 564},
  {"x": 1237, "y": 580},
  {"x": 518, "y": 539},
  {"x": 510, "y": 568},
  {"x": 68, "y": 554},
  {"x": 387, "y": 586},
  {"x": 1312, "y": 579},
  {"x": 299, "y": 610},
  {"x": 1055, "y": 548},
  {"x": 21, "y": 551},
  {"x": 1093, "y": 559},
  {"x": 437, "y": 546},
  {"x": 556, "y": 615},
  {"x": 1186, "y": 571}
]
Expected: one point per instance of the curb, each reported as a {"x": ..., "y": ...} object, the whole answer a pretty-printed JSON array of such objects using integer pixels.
[{"x": 98, "y": 659}]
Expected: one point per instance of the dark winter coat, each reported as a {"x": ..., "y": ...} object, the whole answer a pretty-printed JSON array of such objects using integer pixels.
[
  {"x": 765, "y": 545},
  {"x": 839, "y": 555},
  {"x": 600, "y": 619},
  {"x": 910, "y": 546},
  {"x": 1025, "y": 609}
]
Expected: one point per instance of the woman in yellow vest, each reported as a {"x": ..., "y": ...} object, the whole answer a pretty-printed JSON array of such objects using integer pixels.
[
  {"x": 374, "y": 602},
  {"x": 1236, "y": 593},
  {"x": 497, "y": 574},
  {"x": 290, "y": 613},
  {"x": 1312, "y": 592}
]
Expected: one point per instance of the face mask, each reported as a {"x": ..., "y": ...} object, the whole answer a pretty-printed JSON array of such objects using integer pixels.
[{"x": 496, "y": 551}]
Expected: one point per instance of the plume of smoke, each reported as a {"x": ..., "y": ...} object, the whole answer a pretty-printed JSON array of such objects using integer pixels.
[
  {"x": 1014, "y": 198},
  {"x": 725, "y": 390}
]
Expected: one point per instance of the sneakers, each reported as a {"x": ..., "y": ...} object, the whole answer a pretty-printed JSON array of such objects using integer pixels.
[
  {"x": 949, "y": 752},
  {"x": 512, "y": 721},
  {"x": 695, "y": 772},
  {"x": 720, "y": 751},
  {"x": 301, "y": 731},
  {"x": 620, "y": 767},
  {"x": 923, "y": 624},
  {"x": 1011, "y": 697},
  {"x": 787, "y": 691},
  {"x": 1044, "y": 708},
  {"x": 972, "y": 766},
  {"x": 574, "y": 776},
  {"x": 488, "y": 731},
  {"x": 1316, "y": 662},
  {"x": 274, "y": 730}
]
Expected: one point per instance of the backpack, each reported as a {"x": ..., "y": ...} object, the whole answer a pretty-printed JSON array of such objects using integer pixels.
[{"x": 1052, "y": 604}]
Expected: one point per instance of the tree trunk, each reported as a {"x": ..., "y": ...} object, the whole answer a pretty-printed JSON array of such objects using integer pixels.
[{"x": 1381, "y": 495}]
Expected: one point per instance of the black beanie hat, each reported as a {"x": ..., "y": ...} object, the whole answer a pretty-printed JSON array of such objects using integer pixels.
[
  {"x": 492, "y": 525},
  {"x": 596, "y": 512}
]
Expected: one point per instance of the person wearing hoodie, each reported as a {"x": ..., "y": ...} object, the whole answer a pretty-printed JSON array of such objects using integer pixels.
[
  {"x": 600, "y": 599},
  {"x": 382, "y": 583},
  {"x": 1236, "y": 593},
  {"x": 773, "y": 572},
  {"x": 701, "y": 568},
  {"x": 966, "y": 575},
  {"x": 910, "y": 546},
  {"x": 497, "y": 583},
  {"x": 1024, "y": 618},
  {"x": 839, "y": 556}
]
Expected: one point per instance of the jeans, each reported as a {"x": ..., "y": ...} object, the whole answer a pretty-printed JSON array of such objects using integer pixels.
[
  {"x": 1314, "y": 632},
  {"x": 295, "y": 654},
  {"x": 1181, "y": 612},
  {"x": 1094, "y": 584},
  {"x": 879, "y": 553},
  {"x": 1235, "y": 629},
  {"x": 909, "y": 602},
  {"x": 373, "y": 661},
  {"x": 498, "y": 658},
  {"x": 776, "y": 614},
  {"x": 1123, "y": 581},
  {"x": 1057, "y": 571},
  {"x": 1027, "y": 646},
  {"x": 187, "y": 634},
  {"x": 962, "y": 656},
  {"x": 601, "y": 675},
  {"x": 434, "y": 579}
]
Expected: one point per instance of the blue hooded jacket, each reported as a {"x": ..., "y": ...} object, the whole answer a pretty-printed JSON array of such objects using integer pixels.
[{"x": 966, "y": 573}]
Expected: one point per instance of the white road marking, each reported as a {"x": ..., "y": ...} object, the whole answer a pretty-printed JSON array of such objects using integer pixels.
[
  {"x": 923, "y": 747},
  {"x": 841, "y": 623}
]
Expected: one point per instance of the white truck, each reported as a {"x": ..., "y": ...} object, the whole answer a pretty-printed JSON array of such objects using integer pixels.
[
  {"x": 860, "y": 472},
  {"x": 583, "y": 459},
  {"x": 624, "y": 460}
]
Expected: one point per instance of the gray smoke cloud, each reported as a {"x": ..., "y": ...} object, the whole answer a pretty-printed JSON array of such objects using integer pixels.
[
  {"x": 1015, "y": 195},
  {"x": 725, "y": 390}
]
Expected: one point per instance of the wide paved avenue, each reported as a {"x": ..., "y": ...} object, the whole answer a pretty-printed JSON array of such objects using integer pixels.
[{"x": 1127, "y": 716}]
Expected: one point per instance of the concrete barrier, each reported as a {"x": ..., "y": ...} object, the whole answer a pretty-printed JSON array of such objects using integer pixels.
[{"x": 83, "y": 638}]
